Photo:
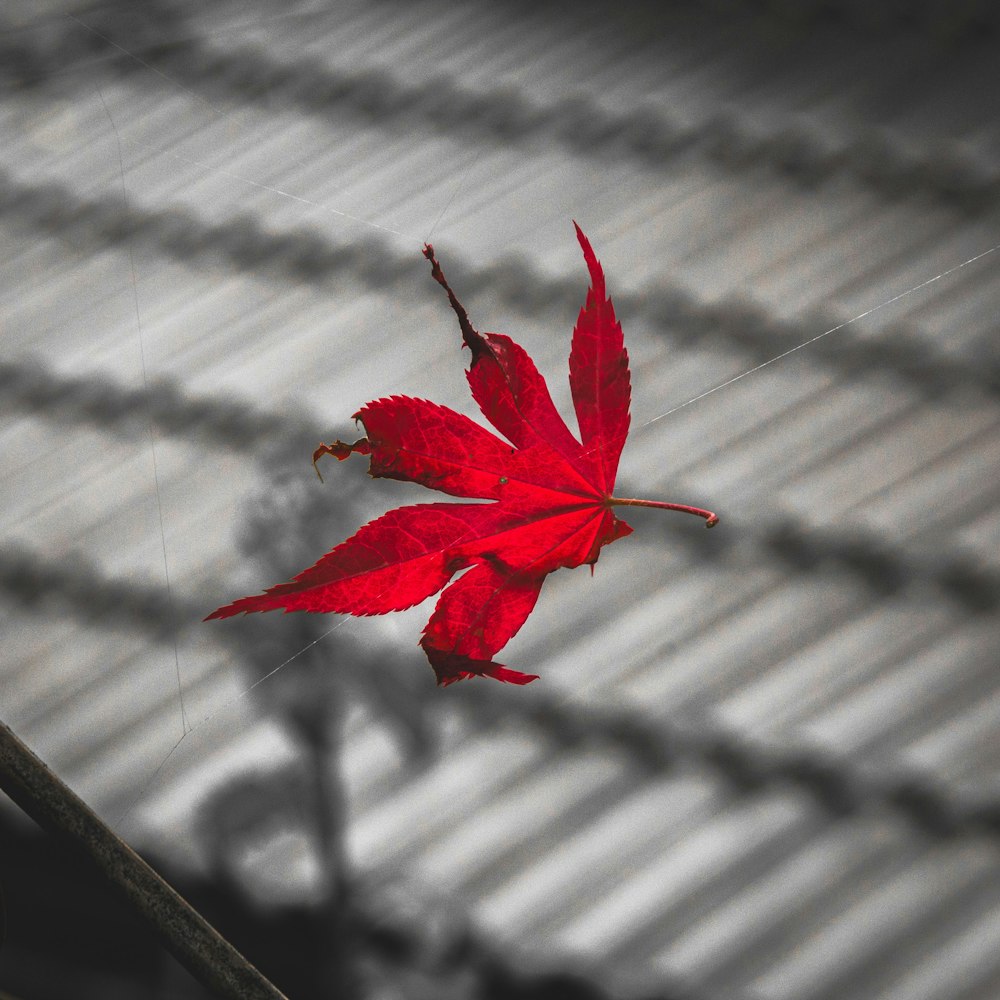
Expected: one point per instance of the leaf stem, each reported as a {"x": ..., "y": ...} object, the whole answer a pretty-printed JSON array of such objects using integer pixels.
[{"x": 710, "y": 519}]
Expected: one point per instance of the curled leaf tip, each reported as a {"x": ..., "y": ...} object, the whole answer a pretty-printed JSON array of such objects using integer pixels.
[
  {"x": 340, "y": 451},
  {"x": 470, "y": 334}
]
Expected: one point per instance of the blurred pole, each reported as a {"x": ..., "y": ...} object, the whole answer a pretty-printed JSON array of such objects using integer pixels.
[{"x": 211, "y": 959}]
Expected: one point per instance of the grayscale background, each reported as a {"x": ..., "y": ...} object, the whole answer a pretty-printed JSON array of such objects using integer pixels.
[{"x": 761, "y": 762}]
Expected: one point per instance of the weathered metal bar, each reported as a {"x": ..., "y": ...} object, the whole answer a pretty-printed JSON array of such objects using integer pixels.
[{"x": 56, "y": 808}]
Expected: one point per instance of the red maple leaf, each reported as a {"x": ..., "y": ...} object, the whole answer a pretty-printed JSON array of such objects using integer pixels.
[{"x": 553, "y": 494}]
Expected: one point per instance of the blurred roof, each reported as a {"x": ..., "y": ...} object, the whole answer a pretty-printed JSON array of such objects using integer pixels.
[{"x": 761, "y": 762}]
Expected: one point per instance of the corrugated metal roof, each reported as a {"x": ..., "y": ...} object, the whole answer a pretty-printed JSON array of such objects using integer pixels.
[{"x": 761, "y": 762}]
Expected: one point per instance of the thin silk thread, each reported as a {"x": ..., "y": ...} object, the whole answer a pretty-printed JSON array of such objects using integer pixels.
[
  {"x": 152, "y": 433},
  {"x": 820, "y": 336}
]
